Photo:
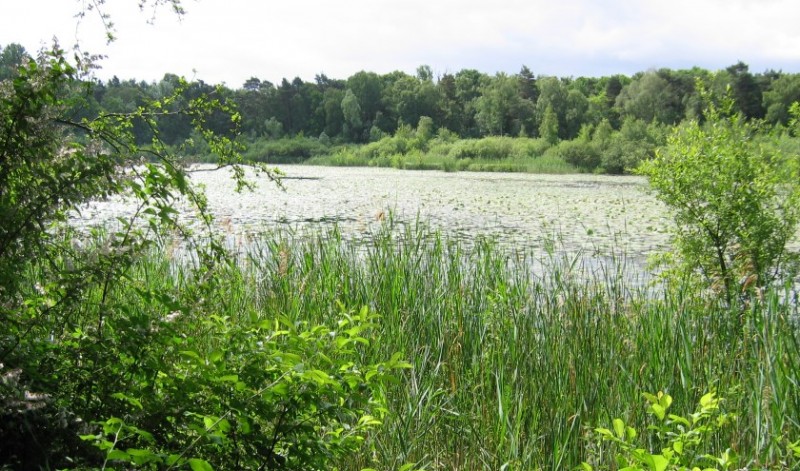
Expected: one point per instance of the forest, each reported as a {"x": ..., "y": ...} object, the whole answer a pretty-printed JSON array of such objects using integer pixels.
[{"x": 600, "y": 124}]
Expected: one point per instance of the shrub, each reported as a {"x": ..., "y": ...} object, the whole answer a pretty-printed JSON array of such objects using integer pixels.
[
  {"x": 736, "y": 203},
  {"x": 580, "y": 153},
  {"x": 686, "y": 442},
  {"x": 286, "y": 150},
  {"x": 269, "y": 393}
]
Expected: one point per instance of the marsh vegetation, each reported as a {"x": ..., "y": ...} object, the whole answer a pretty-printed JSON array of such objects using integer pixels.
[{"x": 155, "y": 316}]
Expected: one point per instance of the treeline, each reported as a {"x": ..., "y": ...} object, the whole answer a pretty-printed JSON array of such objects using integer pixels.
[{"x": 368, "y": 107}]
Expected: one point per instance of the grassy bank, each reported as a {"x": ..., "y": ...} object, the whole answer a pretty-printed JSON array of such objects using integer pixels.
[
  {"x": 498, "y": 154},
  {"x": 600, "y": 150},
  {"x": 511, "y": 367}
]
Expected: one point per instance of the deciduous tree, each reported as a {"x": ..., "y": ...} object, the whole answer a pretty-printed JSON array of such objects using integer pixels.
[{"x": 736, "y": 201}]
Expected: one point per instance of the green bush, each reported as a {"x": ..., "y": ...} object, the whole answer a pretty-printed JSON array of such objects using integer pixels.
[
  {"x": 580, "y": 153},
  {"x": 686, "y": 443},
  {"x": 736, "y": 202},
  {"x": 286, "y": 150},
  {"x": 265, "y": 393},
  {"x": 682, "y": 442}
]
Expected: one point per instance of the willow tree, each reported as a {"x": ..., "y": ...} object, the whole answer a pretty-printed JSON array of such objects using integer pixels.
[{"x": 735, "y": 199}]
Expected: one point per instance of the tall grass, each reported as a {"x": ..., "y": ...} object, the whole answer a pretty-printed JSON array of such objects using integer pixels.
[{"x": 516, "y": 355}]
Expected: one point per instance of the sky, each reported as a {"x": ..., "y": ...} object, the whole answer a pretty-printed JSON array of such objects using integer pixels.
[{"x": 229, "y": 41}]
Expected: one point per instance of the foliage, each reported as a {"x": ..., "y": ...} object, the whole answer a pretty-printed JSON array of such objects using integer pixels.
[
  {"x": 650, "y": 97},
  {"x": 548, "y": 129},
  {"x": 780, "y": 96},
  {"x": 686, "y": 441},
  {"x": 287, "y": 150},
  {"x": 269, "y": 394},
  {"x": 736, "y": 201},
  {"x": 421, "y": 150},
  {"x": 351, "y": 111},
  {"x": 578, "y": 152},
  {"x": 500, "y": 109},
  {"x": 52, "y": 163},
  {"x": 635, "y": 142},
  {"x": 149, "y": 373}
]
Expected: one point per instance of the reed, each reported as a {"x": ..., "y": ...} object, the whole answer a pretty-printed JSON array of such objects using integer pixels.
[{"x": 517, "y": 355}]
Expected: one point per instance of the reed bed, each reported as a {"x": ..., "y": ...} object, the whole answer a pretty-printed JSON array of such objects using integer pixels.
[{"x": 517, "y": 356}]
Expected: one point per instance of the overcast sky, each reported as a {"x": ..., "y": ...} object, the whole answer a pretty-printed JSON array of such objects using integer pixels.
[{"x": 231, "y": 40}]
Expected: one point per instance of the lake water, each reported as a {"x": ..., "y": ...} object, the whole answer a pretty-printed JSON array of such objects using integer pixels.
[{"x": 590, "y": 214}]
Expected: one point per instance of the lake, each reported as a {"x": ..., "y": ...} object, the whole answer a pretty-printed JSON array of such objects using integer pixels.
[{"x": 590, "y": 214}]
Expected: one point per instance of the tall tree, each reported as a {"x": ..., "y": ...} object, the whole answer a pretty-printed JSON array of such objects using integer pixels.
[
  {"x": 779, "y": 98},
  {"x": 409, "y": 98},
  {"x": 527, "y": 85},
  {"x": 469, "y": 85},
  {"x": 368, "y": 89},
  {"x": 548, "y": 129},
  {"x": 450, "y": 108},
  {"x": 11, "y": 57},
  {"x": 650, "y": 97},
  {"x": 746, "y": 92},
  {"x": 352, "y": 126},
  {"x": 736, "y": 204},
  {"x": 554, "y": 93},
  {"x": 334, "y": 116},
  {"x": 254, "y": 102},
  {"x": 577, "y": 108},
  {"x": 499, "y": 105}
]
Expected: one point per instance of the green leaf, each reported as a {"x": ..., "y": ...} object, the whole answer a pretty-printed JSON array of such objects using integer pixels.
[
  {"x": 619, "y": 428},
  {"x": 795, "y": 448},
  {"x": 665, "y": 401},
  {"x": 678, "y": 447},
  {"x": 209, "y": 421},
  {"x": 191, "y": 354},
  {"x": 368, "y": 421},
  {"x": 118, "y": 455},
  {"x": 650, "y": 398},
  {"x": 708, "y": 401},
  {"x": 216, "y": 356},
  {"x": 658, "y": 410},
  {"x": 200, "y": 465},
  {"x": 244, "y": 425},
  {"x": 604, "y": 432},
  {"x": 657, "y": 462},
  {"x": 224, "y": 426},
  {"x": 130, "y": 400},
  {"x": 318, "y": 376},
  {"x": 280, "y": 389},
  {"x": 140, "y": 457},
  {"x": 227, "y": 379},
  {"x": 680, "y": 420}
]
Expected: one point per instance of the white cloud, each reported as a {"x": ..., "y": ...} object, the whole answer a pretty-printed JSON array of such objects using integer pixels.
[{"x": 231, "y": 40}]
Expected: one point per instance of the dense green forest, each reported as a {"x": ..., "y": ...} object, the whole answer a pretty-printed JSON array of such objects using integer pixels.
[{"x": 606, "y": 124}]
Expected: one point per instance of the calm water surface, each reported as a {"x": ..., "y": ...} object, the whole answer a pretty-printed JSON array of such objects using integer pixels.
[{"x": 584, "y": 213}]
